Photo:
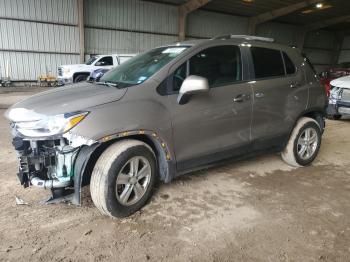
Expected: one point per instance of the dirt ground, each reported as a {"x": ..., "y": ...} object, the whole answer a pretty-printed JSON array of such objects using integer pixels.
[{"x": 256, "y": 210}]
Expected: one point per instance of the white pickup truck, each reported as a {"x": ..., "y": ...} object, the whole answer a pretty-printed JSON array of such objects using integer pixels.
[{"x": 75, "y": 73}]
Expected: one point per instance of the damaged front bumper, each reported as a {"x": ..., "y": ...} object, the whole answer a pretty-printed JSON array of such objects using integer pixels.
[
  {"x": 340, "y": 108},
  {"x": 339, "y": 101},
  {"x": 55, "y": 163}
]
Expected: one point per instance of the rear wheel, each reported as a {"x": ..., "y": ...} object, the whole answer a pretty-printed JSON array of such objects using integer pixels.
[
  {"x": 304, "y": 143},
  {"x": 123, "y": 178}
]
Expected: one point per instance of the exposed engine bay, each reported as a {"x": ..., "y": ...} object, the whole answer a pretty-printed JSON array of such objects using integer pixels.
[
  {"x": 45, "y": 163},
  {"x": 49, "y": 162}
]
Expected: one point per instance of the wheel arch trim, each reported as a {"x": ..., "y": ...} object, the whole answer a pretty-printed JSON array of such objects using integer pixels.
[
  {"x": 88, "y": 156},
  {"x": 316, "y": 113}
]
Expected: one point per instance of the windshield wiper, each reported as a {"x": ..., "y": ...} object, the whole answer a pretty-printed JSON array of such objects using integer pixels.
[{"x": 107, "y": 83}]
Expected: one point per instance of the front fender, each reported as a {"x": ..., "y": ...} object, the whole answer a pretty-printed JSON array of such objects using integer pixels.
[{"x": 125, "y": 118}]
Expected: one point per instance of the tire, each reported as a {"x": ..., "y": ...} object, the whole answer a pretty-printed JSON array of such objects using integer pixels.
[
  {"x": 290, "y": 154},
  {"x": 80, "y": 78},
  {"x": 113, "y": 163},
  {"x": 334, "y": 117}
]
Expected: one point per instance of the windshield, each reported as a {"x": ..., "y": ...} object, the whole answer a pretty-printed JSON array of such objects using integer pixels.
[
  {"x": 139, "y": 68},
  {"x": 91, "y": 60}
]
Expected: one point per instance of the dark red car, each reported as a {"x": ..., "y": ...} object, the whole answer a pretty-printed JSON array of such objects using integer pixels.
[{"x": 342, "y": 69}]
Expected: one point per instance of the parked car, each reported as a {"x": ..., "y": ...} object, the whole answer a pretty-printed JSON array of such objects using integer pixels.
[
  {"x": 166, "y": 112},
  {"x": 80, "y": 72},
  {"x": 96, "y": 74},
  {"x": 339, "y": 99},
  {"x": 340, "y": 70}
]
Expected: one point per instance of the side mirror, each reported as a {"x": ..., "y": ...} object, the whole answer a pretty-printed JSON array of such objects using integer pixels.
[{"x": 192, "y": 85}]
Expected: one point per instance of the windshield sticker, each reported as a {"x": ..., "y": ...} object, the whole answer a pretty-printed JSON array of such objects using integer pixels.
[
  {"x": 174, "y": 50},
  {"x": 141, "y": 79}
]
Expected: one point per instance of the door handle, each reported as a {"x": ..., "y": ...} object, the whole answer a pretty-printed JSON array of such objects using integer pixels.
[
  {"x": 295, "y": 85},
  {"x": 240, "y": 98},
  {"x": 259, "y": 95}
]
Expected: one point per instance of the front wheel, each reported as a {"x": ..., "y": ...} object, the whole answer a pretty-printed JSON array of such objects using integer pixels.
[
  {"x": 80, "y": 78},
  {"x": 123, "y": 178},
  {"x": 304, "y": 143}
]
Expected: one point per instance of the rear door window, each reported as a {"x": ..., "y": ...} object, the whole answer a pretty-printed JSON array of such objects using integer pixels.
[{"x": 267, "y": 62}]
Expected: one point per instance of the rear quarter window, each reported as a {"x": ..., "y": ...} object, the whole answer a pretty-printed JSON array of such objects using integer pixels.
[
  {"x": 290, "y": 67},
  {"x": 306, "y": 59},
  {"x": 267, "y": 62}
]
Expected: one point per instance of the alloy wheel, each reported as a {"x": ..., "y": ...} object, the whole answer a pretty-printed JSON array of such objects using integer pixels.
[
  {"x": 307, "y": 143},
  {"x": 133, "y": 180}
]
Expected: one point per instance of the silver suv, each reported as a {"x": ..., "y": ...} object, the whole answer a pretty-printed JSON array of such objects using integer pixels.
[{"x": 166, "y": 112}]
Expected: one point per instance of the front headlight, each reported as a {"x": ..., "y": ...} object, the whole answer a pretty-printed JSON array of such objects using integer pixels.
[
  {"x": 66, "y": 71},
  {"x": 51, "y": 125}
]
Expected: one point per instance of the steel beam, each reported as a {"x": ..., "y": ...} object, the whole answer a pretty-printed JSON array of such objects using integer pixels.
[
  {"x": 184, "y": 10},
  {"x": 81, "y": 30},
  {"x": 262, "y": 18}
]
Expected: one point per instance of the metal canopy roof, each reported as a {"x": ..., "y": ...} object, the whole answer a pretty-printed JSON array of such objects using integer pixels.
[{"x": 304, "y": 16}]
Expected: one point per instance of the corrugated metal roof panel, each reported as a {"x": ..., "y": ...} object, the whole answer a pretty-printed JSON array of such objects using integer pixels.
[
  {"x": 320, "y": 39},
  {"x": 132, "y": 15},
  {"x": 28, "y": 66},
  {"x": 338, "y": 8},
  {"x": 22, "y": 35},
  {"x": 239, "y": 7},
  {"x": 344, "y": 56},
  {"x": 282, "y": 33},
  {"x": 210, "y": 24},
  {"x": 256, "y": 7},
  {"x": 60, "y": 11},
  {"x": 346, "y": 43},
  {"x": 122, "y": 42}
]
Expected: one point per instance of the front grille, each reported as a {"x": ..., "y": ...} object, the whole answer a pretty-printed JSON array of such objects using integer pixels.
[
  {"x": 60, "y": 71},
  {"x": 345, "y": 95}
]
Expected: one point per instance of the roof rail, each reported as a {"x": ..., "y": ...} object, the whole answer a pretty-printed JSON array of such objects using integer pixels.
[{"x": 246, "y": 37}]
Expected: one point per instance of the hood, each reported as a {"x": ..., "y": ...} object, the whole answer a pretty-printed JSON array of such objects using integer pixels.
[
  {"x": 67, "y": 99},
  {"x": 343, "y": 82}
]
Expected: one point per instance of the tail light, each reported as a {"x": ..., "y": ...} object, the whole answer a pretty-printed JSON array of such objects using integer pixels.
[{"x": 327, "y": 87}]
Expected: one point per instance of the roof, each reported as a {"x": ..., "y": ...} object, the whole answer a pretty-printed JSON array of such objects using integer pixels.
[
  {"x": 237, "y": 39},
  {"x": 307, "y": 15}
]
